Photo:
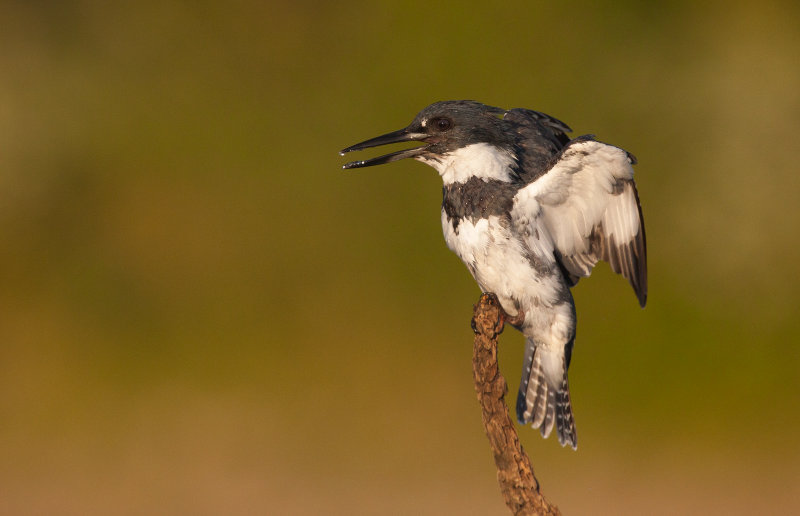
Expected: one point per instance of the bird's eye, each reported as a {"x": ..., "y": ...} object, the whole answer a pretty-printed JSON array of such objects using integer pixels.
[{"x": 442, "y": 124}]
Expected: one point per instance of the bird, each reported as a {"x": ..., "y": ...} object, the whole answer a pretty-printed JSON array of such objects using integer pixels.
[{"x": 529, "y": 211}]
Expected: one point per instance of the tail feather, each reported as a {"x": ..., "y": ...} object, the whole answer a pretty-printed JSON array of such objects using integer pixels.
[
  {"x": 543, "y": 401},
  {"x": 549, "y": 419},
  {"x": 565, "y": 421}
]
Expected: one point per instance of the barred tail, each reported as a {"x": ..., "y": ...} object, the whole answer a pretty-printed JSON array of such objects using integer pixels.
[{"x": 543, "y": 399}]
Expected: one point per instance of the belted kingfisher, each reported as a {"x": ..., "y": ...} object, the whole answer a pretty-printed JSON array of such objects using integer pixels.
[{"x": 530, "y": 212}]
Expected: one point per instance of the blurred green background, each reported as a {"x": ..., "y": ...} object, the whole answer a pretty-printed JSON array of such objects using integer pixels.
[{"x": 201, "y": 313}]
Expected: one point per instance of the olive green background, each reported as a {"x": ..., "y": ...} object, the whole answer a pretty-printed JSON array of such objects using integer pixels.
[{"x": 201, "y": 313}]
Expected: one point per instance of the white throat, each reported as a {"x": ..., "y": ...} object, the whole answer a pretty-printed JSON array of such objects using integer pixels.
[{"x": 480, "y": 160}]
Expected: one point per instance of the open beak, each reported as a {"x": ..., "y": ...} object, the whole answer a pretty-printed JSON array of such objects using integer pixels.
[{"x": 403, "y": 135}]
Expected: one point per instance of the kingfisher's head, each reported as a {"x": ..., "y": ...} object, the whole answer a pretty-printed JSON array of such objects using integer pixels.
[{"x": 444, "y": 127}]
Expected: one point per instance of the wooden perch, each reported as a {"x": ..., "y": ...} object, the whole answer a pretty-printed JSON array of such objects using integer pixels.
[{"x": 514, "y": 470}]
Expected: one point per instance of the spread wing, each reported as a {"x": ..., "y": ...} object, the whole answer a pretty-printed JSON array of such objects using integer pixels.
[{"x": 585, "y": 208}]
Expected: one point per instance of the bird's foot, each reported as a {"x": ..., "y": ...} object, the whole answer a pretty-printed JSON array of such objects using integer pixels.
[
  {"x": 516, "y": 320},
  {"x": 489, "y": 301}
]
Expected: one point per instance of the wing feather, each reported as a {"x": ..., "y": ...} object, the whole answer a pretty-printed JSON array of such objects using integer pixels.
[{"x": 588, "y": 209}]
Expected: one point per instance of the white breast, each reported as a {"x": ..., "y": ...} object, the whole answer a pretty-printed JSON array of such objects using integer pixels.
[
  {"x": 469, "y": 241},
  {"x": 499, "y": 262}
]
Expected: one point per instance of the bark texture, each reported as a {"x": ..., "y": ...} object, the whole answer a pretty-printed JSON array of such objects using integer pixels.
[{"x": 518, "y": 484}]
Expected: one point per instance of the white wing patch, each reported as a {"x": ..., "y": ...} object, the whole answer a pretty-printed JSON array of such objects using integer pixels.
[{"x": 587, "y": 207}]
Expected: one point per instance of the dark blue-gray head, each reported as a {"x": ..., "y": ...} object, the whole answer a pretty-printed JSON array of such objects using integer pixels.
[{"x": 444, "y": 127}]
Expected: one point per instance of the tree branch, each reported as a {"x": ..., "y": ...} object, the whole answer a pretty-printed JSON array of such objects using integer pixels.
[{"x": 514, "y": 470}]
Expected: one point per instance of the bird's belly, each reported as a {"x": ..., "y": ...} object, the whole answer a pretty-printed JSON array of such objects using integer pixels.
[{"x": 501, "y": 263}]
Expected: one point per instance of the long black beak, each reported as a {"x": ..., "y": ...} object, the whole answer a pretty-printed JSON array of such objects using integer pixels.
[{"x": 403, "y": 135}]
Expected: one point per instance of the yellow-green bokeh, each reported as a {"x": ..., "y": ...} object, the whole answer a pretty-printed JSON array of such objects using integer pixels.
[{"x": 200, "y": 313}]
